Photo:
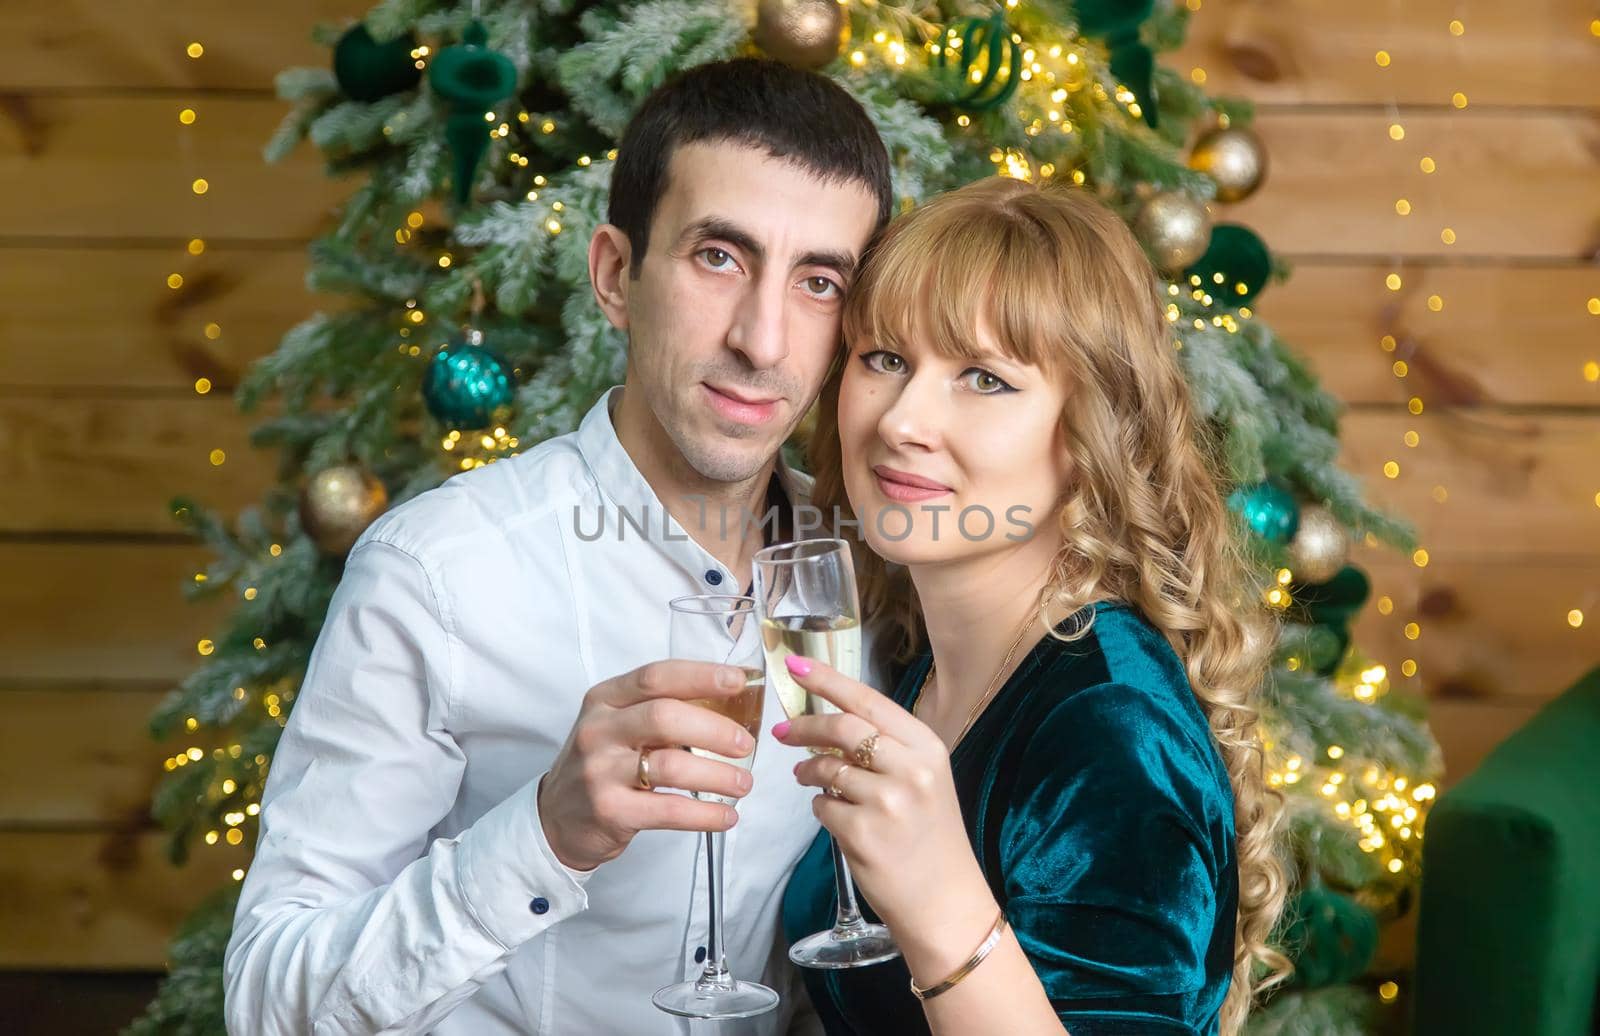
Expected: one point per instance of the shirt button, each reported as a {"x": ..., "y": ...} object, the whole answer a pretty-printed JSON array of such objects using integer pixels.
[
  {"x": 714, "y": 577},
  {"x": 540, "y": 905},
  {"x": 700, "y": 955}
]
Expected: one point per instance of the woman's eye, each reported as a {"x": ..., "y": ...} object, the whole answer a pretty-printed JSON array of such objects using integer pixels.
[
  {"x": 986, "y": 383},
  {"x": 820, "y": 287},
  {"x": 883, "y": 362}
]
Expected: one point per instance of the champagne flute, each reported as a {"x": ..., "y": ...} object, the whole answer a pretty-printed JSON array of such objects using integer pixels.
[
  {"x": 806, "y": 600},
  {"x": 719, "y": 628}
]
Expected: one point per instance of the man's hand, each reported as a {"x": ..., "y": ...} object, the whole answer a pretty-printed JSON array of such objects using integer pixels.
[{"x": 591, "y": 804}]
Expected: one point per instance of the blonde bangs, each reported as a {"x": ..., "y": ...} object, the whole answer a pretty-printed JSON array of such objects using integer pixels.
[{"x": 957, "y": 264}]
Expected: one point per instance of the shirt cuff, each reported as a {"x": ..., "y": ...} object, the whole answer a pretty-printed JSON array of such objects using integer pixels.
[{"x": 510, "y": 877}]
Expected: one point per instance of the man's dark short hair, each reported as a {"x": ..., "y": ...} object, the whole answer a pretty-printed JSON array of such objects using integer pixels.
[{"x": 789, "y": 113}]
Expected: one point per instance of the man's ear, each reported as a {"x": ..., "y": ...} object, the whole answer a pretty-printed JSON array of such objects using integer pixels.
[{"x": 610, "y": 256}]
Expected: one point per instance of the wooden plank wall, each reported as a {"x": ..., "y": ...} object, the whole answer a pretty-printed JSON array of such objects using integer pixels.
[{"x": 100, "y": 421}]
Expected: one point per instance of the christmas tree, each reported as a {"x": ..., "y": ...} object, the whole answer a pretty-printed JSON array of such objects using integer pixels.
[{"x": 480, "y": 137}]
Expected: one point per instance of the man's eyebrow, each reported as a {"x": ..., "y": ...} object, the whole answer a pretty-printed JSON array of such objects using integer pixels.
[
  {"x": 717, "y": 227},
  {"x": 843, "y": 262}
]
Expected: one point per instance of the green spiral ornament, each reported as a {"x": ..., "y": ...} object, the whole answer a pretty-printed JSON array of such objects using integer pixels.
[{"x": 998, "y": 80}]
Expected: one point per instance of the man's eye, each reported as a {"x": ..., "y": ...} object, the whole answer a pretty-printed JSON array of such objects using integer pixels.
[
  {"x": 823, "y": 287},
  {"x": 716, "y": 258}
]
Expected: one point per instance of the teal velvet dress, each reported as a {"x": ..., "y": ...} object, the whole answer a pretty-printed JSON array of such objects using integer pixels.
[{"x": 1099, "y": 809}]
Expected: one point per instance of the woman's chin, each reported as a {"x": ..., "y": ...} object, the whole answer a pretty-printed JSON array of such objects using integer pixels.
[{"x": 916, "y": 549}]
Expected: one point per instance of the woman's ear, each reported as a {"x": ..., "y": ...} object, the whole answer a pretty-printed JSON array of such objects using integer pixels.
[{"x": 610, "y": 262}]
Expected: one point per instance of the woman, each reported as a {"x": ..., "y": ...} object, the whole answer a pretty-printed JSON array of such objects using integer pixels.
[{"x": 1067, "y": 784}]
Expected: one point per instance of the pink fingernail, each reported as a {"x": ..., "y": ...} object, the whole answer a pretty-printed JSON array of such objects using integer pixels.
[
  {"x": 781, "y": 730},
  {"x": 799, "y": 665}
]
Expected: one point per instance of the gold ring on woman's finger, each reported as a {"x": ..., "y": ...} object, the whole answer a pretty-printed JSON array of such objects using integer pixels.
[
  {"x": 864, "y": 750},
  {"x": 833, "y": 785},
  {"x": 644, "y": 770}
]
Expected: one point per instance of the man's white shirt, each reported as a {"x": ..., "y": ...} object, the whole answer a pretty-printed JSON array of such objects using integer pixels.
[{"x": 402, "y": 882}]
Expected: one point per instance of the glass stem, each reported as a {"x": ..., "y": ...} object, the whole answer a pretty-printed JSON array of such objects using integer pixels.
[
  {"x": 849, "y": 918},
  {"x": 716, "y": 969}
]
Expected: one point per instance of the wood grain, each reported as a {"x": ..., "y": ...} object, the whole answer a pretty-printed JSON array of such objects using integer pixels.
[
  {"x": 1515, "y": 486},
  {"x": 98, "y": 317},
  {"x": 141, "y": 44},
  {"x": 1336, "y": 175},
  {"x": 102, "y": 610},
  {"x": 1539, "y": 53},
  {"x": 79, "y": 755},
  {"x": 99, "y": 166},
  {"x": 1488, "y": 629},
  {"x": 111, "y": 464},
  {"x": 1506, "y": 334},
  {"x": 99, "y": 899}
]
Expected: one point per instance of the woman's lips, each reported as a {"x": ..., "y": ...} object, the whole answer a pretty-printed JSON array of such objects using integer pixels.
[
  {"x": 903, "y": 492},
  {"x": 738, "y": 410}
]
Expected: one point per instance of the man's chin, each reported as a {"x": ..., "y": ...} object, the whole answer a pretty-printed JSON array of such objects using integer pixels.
[{"x": 721, "y": 459}]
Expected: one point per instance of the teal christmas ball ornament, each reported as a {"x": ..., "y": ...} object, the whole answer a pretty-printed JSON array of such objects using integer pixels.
[
  {"x": 1269, "y": 510},
  {"x": 367, "y": 70},
  {"x": 466, "y": 383}
]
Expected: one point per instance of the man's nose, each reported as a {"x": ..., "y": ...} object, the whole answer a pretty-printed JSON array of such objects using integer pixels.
[{"x": 759, "y": 330}]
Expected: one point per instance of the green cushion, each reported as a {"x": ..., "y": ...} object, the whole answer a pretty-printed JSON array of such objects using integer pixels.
[{"x": 1508, "y": 939}]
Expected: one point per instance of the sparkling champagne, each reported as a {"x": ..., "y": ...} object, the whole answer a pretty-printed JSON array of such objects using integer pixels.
[
  {"x": 835, "y": 641},
  {"x": 744, "y": 709}
]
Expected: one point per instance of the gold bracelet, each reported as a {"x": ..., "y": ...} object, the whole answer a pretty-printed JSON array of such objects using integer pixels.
[{"x": 990, "y": 941}]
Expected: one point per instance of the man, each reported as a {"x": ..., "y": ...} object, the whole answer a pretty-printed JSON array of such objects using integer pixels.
[{"x": 454, "y": 838}]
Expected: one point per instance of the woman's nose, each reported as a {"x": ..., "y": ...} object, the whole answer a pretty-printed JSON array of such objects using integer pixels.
[{"x": 915, "y": 417}]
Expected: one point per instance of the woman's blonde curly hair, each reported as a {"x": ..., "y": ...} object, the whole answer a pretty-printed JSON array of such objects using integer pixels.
[{"x": 1061, "y": 283}]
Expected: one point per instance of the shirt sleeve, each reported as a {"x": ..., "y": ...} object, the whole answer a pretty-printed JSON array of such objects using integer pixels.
[
  {"x": 1111, "y": 861},
  {"x": 350, "y": 919}
]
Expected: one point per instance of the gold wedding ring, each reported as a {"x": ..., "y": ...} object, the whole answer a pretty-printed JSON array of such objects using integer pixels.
[
  {"x": 644, "y": 770},
  {"x": 864, "y": 750},
  {"x": 833, "y": 785}
]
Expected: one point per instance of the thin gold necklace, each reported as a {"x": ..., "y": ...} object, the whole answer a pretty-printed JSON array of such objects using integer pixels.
[{"x": 972, "y": 715}]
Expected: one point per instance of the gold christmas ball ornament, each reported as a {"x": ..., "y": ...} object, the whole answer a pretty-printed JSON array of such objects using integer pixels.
[
  {"x": 1175, "y": 228},
  {"x": 338, "y": 503},
  {"x": 802, "y": 33},
  {"x": 1235, "y": 158},
  {"x": 1320, "y": 547}
]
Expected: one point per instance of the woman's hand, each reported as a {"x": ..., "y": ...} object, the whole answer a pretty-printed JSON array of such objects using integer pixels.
[{"x": 899, "y": 822}]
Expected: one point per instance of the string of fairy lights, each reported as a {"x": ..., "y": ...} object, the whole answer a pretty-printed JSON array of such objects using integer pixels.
[
  {"x": 1387, "y": 810},
  {"x": 199, "y": 187},
  {"x": 1394, "y": 282}
]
